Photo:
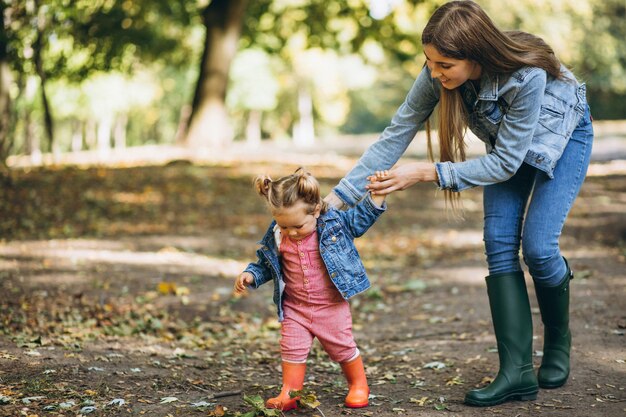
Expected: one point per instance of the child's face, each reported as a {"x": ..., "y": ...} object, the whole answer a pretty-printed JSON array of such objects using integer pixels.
[
  {"x": 451, "y": 72},
  {"x": 295, "y": 221}
]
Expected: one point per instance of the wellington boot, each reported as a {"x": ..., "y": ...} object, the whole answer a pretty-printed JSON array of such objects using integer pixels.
[
  {"x": 358, "y": 391},
  {"x": 557, "y": 339},
  {"x": 512, "y": 323},
  {"x": 293, "y": 380}
]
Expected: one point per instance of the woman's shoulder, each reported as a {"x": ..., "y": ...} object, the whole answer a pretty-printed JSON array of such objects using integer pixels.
[{"x": 525, "y": 73}]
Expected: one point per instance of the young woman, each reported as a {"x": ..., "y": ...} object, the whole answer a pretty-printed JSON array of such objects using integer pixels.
[
  {"x": 309, "y": 254},
  {"x": 512, "y": 92}
]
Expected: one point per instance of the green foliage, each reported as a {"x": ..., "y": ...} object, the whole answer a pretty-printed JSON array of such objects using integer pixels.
[
  {"x": 150, "y": 49},
  {"x": 259, "y": 407},
  {"x": 81, "y": 37}
]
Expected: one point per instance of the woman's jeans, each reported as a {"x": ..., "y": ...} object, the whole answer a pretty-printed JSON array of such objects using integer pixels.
[{"x": 550, "y": 202}]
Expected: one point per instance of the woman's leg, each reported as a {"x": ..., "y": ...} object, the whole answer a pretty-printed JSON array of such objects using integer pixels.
[
  {"x": 508, "y": 299},
  {"x": 504, "y": 205},
  {"x": 549, "y": 206},
  {"x": 548, "y": 209}
]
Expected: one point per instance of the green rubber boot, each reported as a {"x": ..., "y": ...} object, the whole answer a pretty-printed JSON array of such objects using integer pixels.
[
  {"x": 557, "y": 339},
  {"x": 512, "y": 323}
]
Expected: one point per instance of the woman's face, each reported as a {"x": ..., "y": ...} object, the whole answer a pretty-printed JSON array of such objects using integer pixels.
[
  {"x": 451, "y": 72},
  {"x": 296, "y": 221}
]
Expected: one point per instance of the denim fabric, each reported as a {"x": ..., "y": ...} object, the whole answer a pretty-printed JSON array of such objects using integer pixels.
[
  {"x": 527, "y": 116},
  {"x": 550, "y": 201},
  {"x": 336, "y": 231}
]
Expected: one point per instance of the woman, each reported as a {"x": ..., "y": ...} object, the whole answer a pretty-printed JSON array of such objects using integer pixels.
[{"x": 513, "y": 93}]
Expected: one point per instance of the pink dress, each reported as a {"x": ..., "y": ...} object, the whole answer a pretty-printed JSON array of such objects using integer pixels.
[{"x": 313, "y": 306}]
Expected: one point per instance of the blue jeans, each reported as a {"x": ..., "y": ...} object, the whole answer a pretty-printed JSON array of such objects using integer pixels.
[{"x": 506, "y": 203}]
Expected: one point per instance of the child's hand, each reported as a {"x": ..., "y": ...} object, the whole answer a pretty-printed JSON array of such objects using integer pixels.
[
  {"x": 377, "y": 177},
  {"x": 243, "y": 280}
]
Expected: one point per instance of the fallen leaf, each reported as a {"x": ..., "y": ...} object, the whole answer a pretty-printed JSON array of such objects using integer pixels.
[
  {"x": 166, "y": 400},
  {"x": 118, "y": 401},
  {"x": 434, "y": 365}
]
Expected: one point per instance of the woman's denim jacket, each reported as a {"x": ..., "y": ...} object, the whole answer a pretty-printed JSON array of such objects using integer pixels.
[
  {"x": 336, "y": 231},
  {"x": 527, "y": 116}
]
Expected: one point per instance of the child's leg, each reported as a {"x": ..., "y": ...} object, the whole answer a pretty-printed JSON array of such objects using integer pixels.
[
  {"x": 295, "y": 345},
  {"x": 359, "y": 392},
  {"x": 333, "y": 328}
]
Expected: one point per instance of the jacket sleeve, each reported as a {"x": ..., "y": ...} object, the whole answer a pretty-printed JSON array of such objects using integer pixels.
[
  {"x": 512, "y": 143},
  {"x": 260, "y": 271},
  {"x": 385, "y": 152},
  {"x": 358, "y": 219}
]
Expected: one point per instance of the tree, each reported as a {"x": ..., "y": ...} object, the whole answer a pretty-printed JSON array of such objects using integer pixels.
[
  {"x": 89, "y": 38},
  {"x": 271, "y": 26},
  {"x": 208, "y": 123},
  {"x": 5, "y": 96}
]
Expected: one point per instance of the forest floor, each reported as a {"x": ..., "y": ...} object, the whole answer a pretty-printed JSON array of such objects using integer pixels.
[{"x": 115, "y": 298}]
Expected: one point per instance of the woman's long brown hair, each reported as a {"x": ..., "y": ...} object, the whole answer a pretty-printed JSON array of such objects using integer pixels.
[{"x": 462, "y": 30}]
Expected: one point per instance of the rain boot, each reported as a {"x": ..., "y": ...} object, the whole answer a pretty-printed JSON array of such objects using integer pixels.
[
  {"x": 293, "y": 379},
  {"x": 557, "y": 339},
  {"x": 358, "y": 391},
  {"x": 512, "y": 323}
]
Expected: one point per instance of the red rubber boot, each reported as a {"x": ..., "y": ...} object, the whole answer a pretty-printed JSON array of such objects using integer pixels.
[{"x": 293, "y": 379}]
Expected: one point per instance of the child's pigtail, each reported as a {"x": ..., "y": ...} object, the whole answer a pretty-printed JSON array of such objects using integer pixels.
[
  {"x": 263, "y": 185},
  {"x": 309, "y": 189},
  {"x": 307, "y": 185}
]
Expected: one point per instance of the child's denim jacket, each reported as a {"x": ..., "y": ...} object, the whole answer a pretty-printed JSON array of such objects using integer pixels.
[
  {"x": 527, "y": 116},
  {"x": 336, "y": 232}
]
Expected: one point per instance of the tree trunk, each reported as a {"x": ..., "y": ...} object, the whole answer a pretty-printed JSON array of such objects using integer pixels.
[
  {"x": 38, "y": 46},
  {"x": 91, "y": 136},
  {"x": 209, "y": 124},
  {"x": 253, "y": 128},
  {"x": 105, "y": 124},
  {"x": 304, "y": 130},
  {"x": 77, "y": 135},
  {"x": 6, "y": 139},
  {"x": 119, "y": 131}
]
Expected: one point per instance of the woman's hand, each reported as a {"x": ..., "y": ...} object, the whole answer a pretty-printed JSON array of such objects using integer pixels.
[
  {"x": 243, "y": 281},
  {"x": 402, "y": 177},
  {"x": 334, "y": 201}
]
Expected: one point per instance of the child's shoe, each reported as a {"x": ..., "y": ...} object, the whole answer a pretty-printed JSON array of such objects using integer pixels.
[
  {"x": 293, "y": 379},
  {"x": 359, "y": 392}
]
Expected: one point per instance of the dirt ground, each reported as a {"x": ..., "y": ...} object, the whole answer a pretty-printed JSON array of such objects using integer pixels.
[{"x": 115, "y": 293}]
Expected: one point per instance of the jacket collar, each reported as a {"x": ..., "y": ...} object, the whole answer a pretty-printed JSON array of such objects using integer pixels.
[
  {"x": 489, "y": 84},
  {"x": 270, "y": 235},
  {"x": 330, "y": 215}
]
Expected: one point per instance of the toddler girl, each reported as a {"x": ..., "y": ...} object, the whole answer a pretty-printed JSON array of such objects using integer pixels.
[{"x": 309, "y": 253}]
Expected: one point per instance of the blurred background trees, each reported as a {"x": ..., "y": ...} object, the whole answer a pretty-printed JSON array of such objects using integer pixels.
[{"x": 103, "y": 74}]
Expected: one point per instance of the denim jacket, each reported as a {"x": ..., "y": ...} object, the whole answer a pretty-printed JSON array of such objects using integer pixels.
[
  {"x": 336, "y": 232},
  {"x": 527, "y": 116}
]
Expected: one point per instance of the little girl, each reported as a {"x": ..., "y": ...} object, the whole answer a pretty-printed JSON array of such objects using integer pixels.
[{"x": 309, "y": 253}]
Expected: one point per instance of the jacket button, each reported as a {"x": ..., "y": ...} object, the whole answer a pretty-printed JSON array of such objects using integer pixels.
[
  {"x": 333, "y": 275},
  {"x": 334, "y": 238}
]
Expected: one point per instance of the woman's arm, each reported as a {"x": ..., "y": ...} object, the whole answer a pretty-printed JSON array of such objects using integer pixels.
[
  {"x": 512, "y": 143},
  {"x": 385, "y": 152}
]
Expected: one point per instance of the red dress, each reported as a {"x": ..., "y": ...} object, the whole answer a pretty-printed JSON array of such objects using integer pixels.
[{"x": 312, "y": 305}]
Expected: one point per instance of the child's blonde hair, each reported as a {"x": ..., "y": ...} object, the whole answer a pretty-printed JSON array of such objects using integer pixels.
[{"x": 287, "y": 191}]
